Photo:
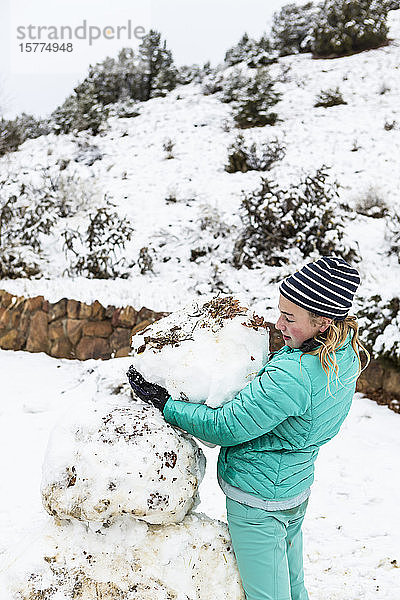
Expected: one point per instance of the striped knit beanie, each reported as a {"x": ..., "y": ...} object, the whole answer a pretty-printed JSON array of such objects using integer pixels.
[{"x": 325, "y": 287}]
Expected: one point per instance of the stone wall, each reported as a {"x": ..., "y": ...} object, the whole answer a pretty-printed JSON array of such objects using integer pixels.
[
  {"x": 72, "y": 329},
  {"x": 68, "y": 328}
]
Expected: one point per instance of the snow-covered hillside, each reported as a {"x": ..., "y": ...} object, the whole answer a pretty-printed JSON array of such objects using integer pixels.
[{"x": 183, "y": 203}]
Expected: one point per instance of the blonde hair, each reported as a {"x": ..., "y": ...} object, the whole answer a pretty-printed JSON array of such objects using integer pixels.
[{"x": 331, "y": 340}]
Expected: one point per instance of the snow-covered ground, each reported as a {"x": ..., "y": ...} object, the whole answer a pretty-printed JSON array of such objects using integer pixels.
[
  {"x": 352, "y": 527},
  {"x": 136, "y": 175}
]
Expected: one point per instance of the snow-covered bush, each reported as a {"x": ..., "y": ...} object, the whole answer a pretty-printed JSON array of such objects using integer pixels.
[
  {"x": 218, "y": 80},
  {"x": 210, "y": 221},
  {"x": 253, "y": 157},
  {"x": 380, "y": 327},
  {"x": 346, "y": 26},
  {"x": 132, "y": 76},
  {"x": 145, "y": 260},
  {"x": 253, "y": 101},
  {"x": 92, "y": 247},
  {"x": 168, "y": 147},
  {"x": 251, "y": 95},
  {"x": 123, "y": 109},
  {"x": 14, "y": 132},
  {"x": 70, "y": 193},
  {"x": 79, "y": 112},
  {"x": 26, "y": 212},
  {"x": 292, "y": 28},
  {"x": 87, "y": 152},
  {"x": 392, "y": 4},
  {"x": 371, "y": 204},
  {"x": 207, "y": 239},
  {"x": 306, "y": 217},
  {"x": 254, "y": 53},
  {"x": 188, "y": 74},
  {"x": 389, "y": 125},
  {"x": 228, "y": 83},
  {"x": 328, "y": 98},
  {"x": 392, "y": 232},
  {"x": 19, "y": 261},
  {"x": 37, "y": 209}
]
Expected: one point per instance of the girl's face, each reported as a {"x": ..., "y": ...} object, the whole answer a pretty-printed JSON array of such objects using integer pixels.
[{"x": 295, "y": 324}]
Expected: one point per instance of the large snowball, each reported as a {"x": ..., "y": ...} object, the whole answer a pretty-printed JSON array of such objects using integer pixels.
[
  {"x": 135, "y": 561},
  {"x": 112, "y": 456},
  {"x": 205, "y": 352}
]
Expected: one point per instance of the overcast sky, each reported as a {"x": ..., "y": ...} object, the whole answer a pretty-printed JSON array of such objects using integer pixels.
[{"x": 196, "y": 31}]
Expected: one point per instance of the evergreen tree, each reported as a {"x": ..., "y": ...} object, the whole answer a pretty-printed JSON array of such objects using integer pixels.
[
  {"x": 237, "y": 53},
  {"x": 14, "y": 132},
  {"x": 79, "y": 113},
  {"x": 138, "y": 77},
  {"x": 292, "y": 28},
  {"x": 253, "y": 53},
  {"x": 188, "y": 74},
  {"x": 392, "y": 4},
  {"x": 253, "y": 101},
  {"x": 346, "y": 26},
  {"x": 156, "y": 65},
  {"x": 107, "y": 82}
]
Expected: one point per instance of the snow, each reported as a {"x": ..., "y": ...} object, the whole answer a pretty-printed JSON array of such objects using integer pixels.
[
  {"x": 205, "y": 352},
  {"x": 352, "y": 525},
  {"x": 110, "y": 456},
  {"x": 135, "y": 174},
  {"x": 189, "y": 202},
  {"x": 130, "y": 559}
]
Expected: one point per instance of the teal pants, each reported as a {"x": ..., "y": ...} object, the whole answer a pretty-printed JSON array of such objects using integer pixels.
[{"x": 268, "y": 546}]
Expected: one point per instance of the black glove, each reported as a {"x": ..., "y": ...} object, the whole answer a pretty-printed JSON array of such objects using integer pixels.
[{"x": 148, "y": 392}]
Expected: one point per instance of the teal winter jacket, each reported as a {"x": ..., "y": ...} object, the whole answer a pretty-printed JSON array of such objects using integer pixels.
[{"x": 271, "y": 431}]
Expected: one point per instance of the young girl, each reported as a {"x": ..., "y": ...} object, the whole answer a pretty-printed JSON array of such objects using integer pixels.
[{"x": 271, "y": 432}]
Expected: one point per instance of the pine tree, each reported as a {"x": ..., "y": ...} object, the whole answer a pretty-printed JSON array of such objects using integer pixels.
[
  {"x": 254, "y": 100},
  {"x": 14, "y": 132},
  {"x": 237, "y": 53},
  {"x": 156, "y": 66},
  {"x": 252, "y": 52},
  {"x": 392, "y": 4},
  {"x": 130, "y": 77},
  {"x": 346, "y": 26},
  {"x": 79, "y": 112},
  {"x": 292, "y": 28},
  {"x": 188, "y": 74}
]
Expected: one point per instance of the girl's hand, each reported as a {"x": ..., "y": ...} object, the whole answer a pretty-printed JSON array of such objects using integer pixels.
[{"x": 148, "y": 392}]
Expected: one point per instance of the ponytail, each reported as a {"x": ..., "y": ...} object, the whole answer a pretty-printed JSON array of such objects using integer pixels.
[{"x": 332, "y": 339}]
